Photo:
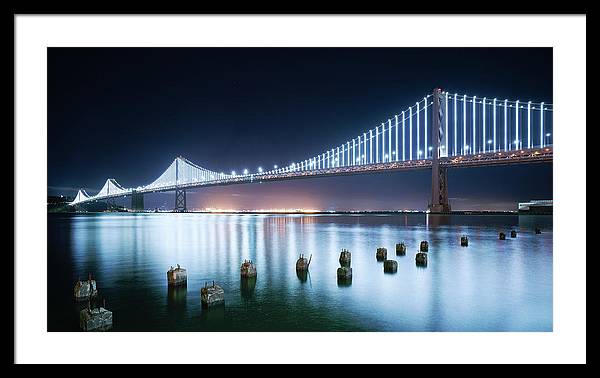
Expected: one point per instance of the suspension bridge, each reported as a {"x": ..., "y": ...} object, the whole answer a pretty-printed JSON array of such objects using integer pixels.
[{"x": 440, "y": 131}]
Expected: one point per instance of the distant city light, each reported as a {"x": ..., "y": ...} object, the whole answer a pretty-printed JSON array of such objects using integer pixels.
[
  {"x": 275, "y": 166},
  {"x": 548, "y": 134},
  {"x": 245, "y": 171},
  {"x": 233, "y": 173},
  {"x": 260, "y": 170},
  {"x": 489, "y": 141}
]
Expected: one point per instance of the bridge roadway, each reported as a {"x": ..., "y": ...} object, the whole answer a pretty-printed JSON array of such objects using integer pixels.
[{"x": 525, "y": 156}]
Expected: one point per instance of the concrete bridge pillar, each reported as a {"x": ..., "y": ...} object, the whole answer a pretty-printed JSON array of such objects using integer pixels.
[
  {"x": 180, "y": 201},
  {"x": 137, "y": 201},
  {"x": 439, "y": 175},
  {"x": 111, "y": 203}
]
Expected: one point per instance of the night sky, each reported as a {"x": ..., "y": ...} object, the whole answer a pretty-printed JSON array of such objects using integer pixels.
[{"x": 126, "y": 113}]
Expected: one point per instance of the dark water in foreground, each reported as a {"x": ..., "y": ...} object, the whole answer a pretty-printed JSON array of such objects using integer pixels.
[{"x": 491, "y": 285}]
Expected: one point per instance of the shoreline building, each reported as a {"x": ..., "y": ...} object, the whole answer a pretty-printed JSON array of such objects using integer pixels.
[{"x": 536, "y": 207}]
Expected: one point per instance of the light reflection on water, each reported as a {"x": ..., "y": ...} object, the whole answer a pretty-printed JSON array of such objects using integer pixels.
[{"x": 491, "y": 285}]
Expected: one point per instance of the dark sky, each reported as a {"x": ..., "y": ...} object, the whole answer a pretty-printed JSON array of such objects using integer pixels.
[{"x": 125, "y": 113}]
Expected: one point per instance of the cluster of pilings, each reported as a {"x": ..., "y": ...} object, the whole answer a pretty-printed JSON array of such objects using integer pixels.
[
  {"x": 513, "y": 233},
  {"x": 421, "y": 256},
  {"x": 94, "y": 317},
  {"x": 391, "y": 266},
  {"x": 98, "y": 318},
  {"x": 212, "y": 294}
]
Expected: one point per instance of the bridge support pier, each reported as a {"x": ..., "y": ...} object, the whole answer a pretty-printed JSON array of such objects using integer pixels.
[
  {"x": 439, "y": 190},
  {"x": 180, "y": 201},
  {"x": 137, "y": 201},
  {"x": 111, "y": 203},
  {"x": 439, "y": 175}
]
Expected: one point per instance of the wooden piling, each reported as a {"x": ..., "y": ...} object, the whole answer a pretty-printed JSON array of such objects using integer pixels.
[
  {"x": 345, "y": 258},
  {"x": 381, "y": 254},
  {"x": 248, "y": 270},
  {"x": 400, "y": 249},
  {"x": 421, "y": 258},
  {"x": 302, "y": 263},
  {"x": 390, "y": 266}
]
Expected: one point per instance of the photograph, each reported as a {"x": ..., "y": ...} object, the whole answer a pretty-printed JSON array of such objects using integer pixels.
[{"x": 299, "y": 188}]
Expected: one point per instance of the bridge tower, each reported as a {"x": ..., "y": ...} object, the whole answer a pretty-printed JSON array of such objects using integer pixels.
[
  {"x": 180, "y": 196},
  {"x": 439, "y": 175},
  {"x": 137, "y": 201}
]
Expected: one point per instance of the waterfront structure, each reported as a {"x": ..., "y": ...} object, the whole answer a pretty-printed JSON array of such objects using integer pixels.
[{"x": 536, "y": 207}]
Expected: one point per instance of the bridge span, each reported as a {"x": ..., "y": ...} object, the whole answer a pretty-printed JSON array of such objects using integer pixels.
[{"x": 492, "y": 132}]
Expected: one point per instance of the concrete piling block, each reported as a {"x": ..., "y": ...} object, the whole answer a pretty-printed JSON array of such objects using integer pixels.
[
  {"x": 302, "y": 263},
  {"x": 344, "y": 273},
  {"x": 345, "y": 258},
  {"x": 390, "y": 266},
  {"x": 95, "y": 319},
  {"x": 302, "y": 275},
  {"x": 502, "y": 236},
  {"x": 381, "y": 254},
  {"x": 400, "y": 249},
  {"x": 538, "y": 231},
  {"x": 177, "y": 276},
  {"x": 247, "y": 287},
  {"x": 464, "y": 241},
  {"x": 85, "y": 290},
  {"x": 248, "y": 270},
  {"x": 212, "y": 295},
  {"x": 424, "y": 246},
  {"x": 421, "y": 258},
  {"x": 513, "y": 234}
]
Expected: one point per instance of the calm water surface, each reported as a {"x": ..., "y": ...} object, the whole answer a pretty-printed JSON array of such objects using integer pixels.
[{"x": 491, "y": 285}]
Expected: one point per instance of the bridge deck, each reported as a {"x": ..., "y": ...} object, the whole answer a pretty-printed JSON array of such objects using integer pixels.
[{"x": 525, "y": 156}]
